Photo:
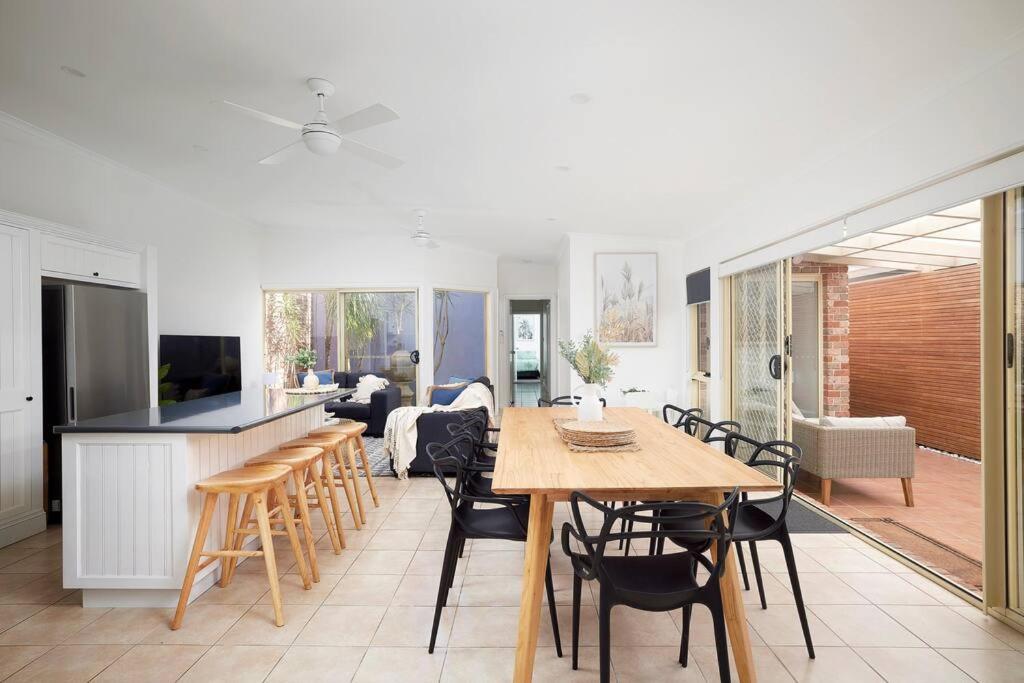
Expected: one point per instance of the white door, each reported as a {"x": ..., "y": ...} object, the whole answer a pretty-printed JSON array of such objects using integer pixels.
[{"x": 20, "y": 444}]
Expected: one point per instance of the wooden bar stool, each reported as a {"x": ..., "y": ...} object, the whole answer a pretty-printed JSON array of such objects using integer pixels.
[
  {"x": 333, "y": 447},
  {"x": 354, "y": 432},
  {"x": 255, "y": 483}
]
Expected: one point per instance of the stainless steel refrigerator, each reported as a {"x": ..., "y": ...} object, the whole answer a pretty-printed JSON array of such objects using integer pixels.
[{"x": 95, "y": 360}]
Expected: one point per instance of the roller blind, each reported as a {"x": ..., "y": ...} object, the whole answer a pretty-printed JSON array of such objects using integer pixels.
[{"x": 698, "y": 287}]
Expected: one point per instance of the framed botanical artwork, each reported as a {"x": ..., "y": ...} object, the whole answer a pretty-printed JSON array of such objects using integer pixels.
[{"x": 626, "y": 290}]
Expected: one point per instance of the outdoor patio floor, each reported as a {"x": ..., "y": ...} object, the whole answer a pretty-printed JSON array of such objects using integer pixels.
[{"x": 947, "y": 498}]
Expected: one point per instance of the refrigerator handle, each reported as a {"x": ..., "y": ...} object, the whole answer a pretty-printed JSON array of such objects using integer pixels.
[{"x": 71, "y": 404}]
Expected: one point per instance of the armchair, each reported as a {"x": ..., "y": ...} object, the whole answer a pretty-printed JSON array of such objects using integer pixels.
[{"x": 375, "y": 413}]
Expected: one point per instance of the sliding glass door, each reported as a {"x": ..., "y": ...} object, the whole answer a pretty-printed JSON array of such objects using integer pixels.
[{"x": 460, "y": 335}]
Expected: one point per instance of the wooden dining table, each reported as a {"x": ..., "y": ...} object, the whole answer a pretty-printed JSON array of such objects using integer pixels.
[{"x": 669, "y": 465}]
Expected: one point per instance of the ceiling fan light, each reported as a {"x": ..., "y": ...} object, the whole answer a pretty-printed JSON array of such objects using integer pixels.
[{"x": 321, "y": 142}]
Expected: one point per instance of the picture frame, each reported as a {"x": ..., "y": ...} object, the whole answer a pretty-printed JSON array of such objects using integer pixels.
[{"x": 626, "y": 298}]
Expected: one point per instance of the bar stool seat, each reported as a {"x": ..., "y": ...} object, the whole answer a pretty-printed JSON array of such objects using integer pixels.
[
  {"x": 354, "y": 431},
  {"x": 335, "y": 456},
  {"x": 256, "y": 484}
]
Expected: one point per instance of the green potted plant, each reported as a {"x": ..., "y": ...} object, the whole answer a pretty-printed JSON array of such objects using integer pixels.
[
  {"x": 595, "y": 366},
  {"x": 636, "y": 397},
  {"x": 306, "y": 358}
]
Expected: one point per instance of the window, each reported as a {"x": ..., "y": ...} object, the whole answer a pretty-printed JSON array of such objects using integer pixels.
[{"x": 460, "y": 335}]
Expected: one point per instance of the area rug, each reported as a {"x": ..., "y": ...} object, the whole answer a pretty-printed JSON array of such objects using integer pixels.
[
  {"x": 803, "y": 519},
  {"x": 380, "y": 463}
]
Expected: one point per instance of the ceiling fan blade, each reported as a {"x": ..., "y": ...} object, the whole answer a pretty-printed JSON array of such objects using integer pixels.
[
  {"x": 374, "y": 115},
  {"x": 282, "y": 154},
  {"x": 264, "y": 116},
  {"x": 371, "y": 153}
]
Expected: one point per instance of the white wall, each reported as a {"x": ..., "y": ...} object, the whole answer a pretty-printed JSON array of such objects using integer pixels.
[
  {"x": 516, "y": 277},
  {"x": 207, "y": 278},
  {"x": 659, "y": 369},
  {"x": 366, "y": 261}
]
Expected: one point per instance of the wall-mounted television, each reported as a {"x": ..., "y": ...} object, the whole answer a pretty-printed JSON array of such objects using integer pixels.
[{"x": 194, "y": 366}]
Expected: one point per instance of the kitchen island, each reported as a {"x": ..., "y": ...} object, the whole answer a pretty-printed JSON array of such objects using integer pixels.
[{"x": 130, "y": 508}]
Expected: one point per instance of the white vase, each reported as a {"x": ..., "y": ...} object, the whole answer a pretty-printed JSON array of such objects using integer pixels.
[
  {"x": 310, "y": 381},
  {"x": 588, "y": 408}
]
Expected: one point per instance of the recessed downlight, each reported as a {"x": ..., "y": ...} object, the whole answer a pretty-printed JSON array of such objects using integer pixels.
[
  {"x": 563, "y": 167},
  {"x": 580, "y": 98},
  {"x": 72, "y": 71},
  {"x": 551, "y": 219},
  {"x": 200, "y": 148}
]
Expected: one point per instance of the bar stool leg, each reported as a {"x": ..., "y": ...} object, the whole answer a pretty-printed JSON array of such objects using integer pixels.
[
  {"x": 366, "y": 468},
  {"x": 350, "y": 457},
  {"x": 332, "y": 490},
  {"x": 302, "y": 503},
  {"x": 209, "y": 505},
  {"x": 321, "y": 501},
  {"x": 293, "y": 536},
  {"x": 263, "y": 520},
  {"x": 238, "y": 540},
  {"x": 229, "y": 538},
  {"x": 352, "y": 504}
]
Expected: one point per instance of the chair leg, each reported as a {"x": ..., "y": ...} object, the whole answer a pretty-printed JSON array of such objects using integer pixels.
[
  {"x": 462, "y": 547},
  {"x": 353, "y": 506},
  {"x": 443, "y": 586},
  {"x": 361, "y": 445},
  {"x": 604, "y": 617},
  {"x": 205, "y": 517},
  {"x": 281, "y": 493},
  {"x": 350, "y": 456},
  {"x": 908, "y": 491},
  {"x": 684, "y": 642},
  {"x": 302, "y": 503},
  {"x": 238, "y": 540},
  {"x": 757, "y": 573},
  {"x": 721, "y": 644},
  {"x": 317, "y": 480},
  {"x": 794, "y": 582},
  {"x": 263, "y": 520},
  {"x": 743, "y": 565},
  {"x": 629, "y": 530},
  {"x": 553, "y": 608},
  {"x": 577, "y": 590},
  {"x": 826, "y": 491},
  {"x": 229, "y": 536},
  {"x": 332, "y": 492}
]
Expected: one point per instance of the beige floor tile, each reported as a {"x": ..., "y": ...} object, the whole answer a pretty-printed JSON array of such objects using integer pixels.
[
  {"x": 395, "y": 539},
  {"x": 421, "y": 591},
  {"x": 773, "y": 561},
  {"x": 497, "y": 562},
  {"x": 475, "y": 664},
  {"x": 634, "y": 627},
  {"x": 257, "y": 626},
  {"x": 642, "y": 664},
  {"x": 13, "y": 553},
  {"x": 404, "y": 626},
  {"x": 404, "y": 521},
  {"x": 886, "y": 589},
  {"x": 1008, "y": 635},
  {"x": 15, "y": 657},
  {"x": 935, "y": 590},
  {"x": 386, "y": 664},
  {"x": 864, "y": 626},
  {"x": 342, "y": 625},
  {"x": 52, "y": 536},
  {"x": 702, "y": 632},
  {"x": 830, "y": 665},
  {"x": 51, "y": 626},
  {"x": 821, "y": 588},
  {"x": 779, "y": 626},
  {"x": 293, "y": 592},
  {"x": 889, "y": 563},
  {"x": 769, "y": 668},
  {"x": 497, "y": 627},
  {"x": 303, "y": 664},
  {"x": 15, "y": 614},
  {"x": 428, "y": 563},
  {"x": 244, "y": 589},
  {"x": 912, "y": 665},
  {"x": 122, "y": 626},
  {"x": 988, "y": 666},
  {"x": 36, "y": 562},
  {"x": 494, "y": 591},
  {"x": 70, "y": 663},
  {"x": 843, "y": 560},
  {"x": 818, "y": 540},
  {"x": 421, "y": 506},
  {"x": 434, "y": 539},
  {"x": 776, "y": 592},
  {"x": 365, "y": 589},
  {"x": 382, "y": 562},
  {"x": 939, "y": 626},
  {"x": 40, "y": 589},
  {"x": 10, "y": 582},
  {"x": 233, "y": 663},
  {"x": 153, "y": 663},
  {"x": 203, "y": 625}
]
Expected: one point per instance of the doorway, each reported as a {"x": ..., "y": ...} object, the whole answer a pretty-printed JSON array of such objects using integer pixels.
[{"x": 529, "y": 345}]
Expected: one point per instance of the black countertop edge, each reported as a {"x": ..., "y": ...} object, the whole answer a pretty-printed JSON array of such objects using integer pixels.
[{"x": 223, "y": 414}]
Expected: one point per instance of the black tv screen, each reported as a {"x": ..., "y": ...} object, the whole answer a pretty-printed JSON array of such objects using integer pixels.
[{"x": 193, "y": 366}]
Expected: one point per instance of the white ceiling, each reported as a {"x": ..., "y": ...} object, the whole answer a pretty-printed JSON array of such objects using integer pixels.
[{"x": 693, "y": 103}]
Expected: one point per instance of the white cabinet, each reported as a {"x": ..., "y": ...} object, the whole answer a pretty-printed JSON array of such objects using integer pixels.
[
  {"x": 21, "y": 445},
  {"x": 73, "y": 259}
]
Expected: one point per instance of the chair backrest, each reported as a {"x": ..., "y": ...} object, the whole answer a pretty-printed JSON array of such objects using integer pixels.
[
  {"x": 472, "y": 421},
  {"x": 708, "y": 431},
  {"x": 668, "y": 409},
  {"x": 698, "y": 524},
  {"x": 564, "y": 401},
  {"x": 781, "y": 458}
]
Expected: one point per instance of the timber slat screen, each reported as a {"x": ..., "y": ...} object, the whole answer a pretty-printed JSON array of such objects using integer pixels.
[{"x": 915, "y": 347}]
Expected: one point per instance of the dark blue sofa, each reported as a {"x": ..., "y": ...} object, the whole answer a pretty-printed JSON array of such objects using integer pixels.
[{"x": 375, "y": 413}]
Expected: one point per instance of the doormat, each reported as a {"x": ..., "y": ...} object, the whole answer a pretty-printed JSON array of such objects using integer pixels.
[{"x": 925, "y": 549}]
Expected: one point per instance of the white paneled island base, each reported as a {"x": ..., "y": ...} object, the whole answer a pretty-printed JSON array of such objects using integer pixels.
[{"x": 131, "y": 508}]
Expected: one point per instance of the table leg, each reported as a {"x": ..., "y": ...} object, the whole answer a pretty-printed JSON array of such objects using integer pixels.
[
  {"x": 735, "y": 615},
  {"x": 537, "y": 539}
]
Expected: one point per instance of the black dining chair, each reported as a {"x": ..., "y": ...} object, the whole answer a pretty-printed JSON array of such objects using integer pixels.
[
  {"x": 668, "y": 414},
  {"x": 504, "y": 518},
  {"x": 653, "y": 583},
  {"x": 754, "y": 523},
  {"x": 565, "y": 401}
]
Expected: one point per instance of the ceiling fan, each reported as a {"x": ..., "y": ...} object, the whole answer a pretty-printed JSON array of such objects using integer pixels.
[
  {"x": 324, "y": 137},
  {"x": 422, "y": 238}
]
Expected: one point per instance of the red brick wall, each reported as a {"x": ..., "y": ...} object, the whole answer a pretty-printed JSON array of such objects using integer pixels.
[{"x": 835, "y": 360}]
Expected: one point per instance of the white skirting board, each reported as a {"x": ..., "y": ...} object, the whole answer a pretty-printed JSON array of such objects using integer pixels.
[{"x": 131, "y": 508}]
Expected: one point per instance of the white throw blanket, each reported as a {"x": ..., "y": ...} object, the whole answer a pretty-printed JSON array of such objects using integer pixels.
[
  {"x": 400, "y": 431},
  {"x": 366, "y": 385}
]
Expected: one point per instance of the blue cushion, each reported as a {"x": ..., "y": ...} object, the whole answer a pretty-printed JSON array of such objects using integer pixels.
[
  {"x": 461, "y": 380},
  {"x": 444, "y": 397},
  {"x": 325, "y": 376}
]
